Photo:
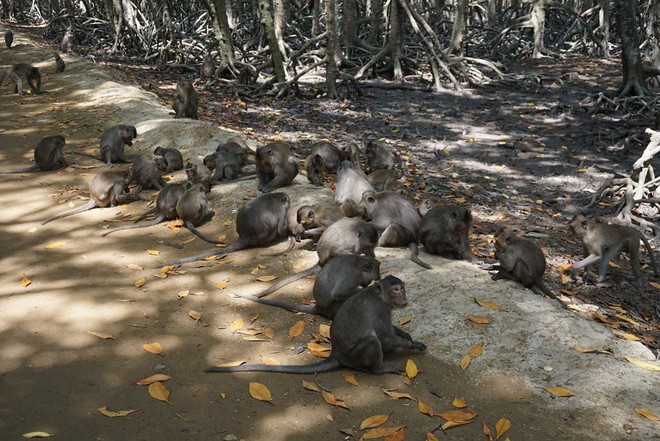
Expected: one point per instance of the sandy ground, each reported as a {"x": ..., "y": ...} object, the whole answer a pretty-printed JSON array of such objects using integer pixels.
[{"x": 55, "y": 375}]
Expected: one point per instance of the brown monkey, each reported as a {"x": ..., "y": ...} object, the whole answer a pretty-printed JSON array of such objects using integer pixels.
[
  {"x": 238, "y": 147},
  {"x": 147, "y": 172},
  {"x": 59, "y": 63},
  {"x": 66, "y": 45},
  {"x": 361, "y": 332},
  {"x": 172, "y": 156},
  {"x": 258, "y": 223},
  {"x": 29, "y": 71},
  {"x": 378, "y": 157},
  {"x": 207, "y": 69},
  {"x": 107, "y": 188},
  {"x": 349, "y": 186},
  {"x": 444, "y": 230},
  {"x": 166, "y": 202},
  {"x": 383, "y": 179},
  {"x": 276, "y": 166},
  {"x": 314, "y": 168},
  {"x": 225, "y": 165},
  {"x": 9, "y": 38},
  {"x": 396, "y": 220},
  {"x": 314, "y": 219},
  {"x": 48, "y": 156},
  {"x": 186, "y": 101},
  {"x": 112, "y": 145},
  {"x": 198, "y": 173},
  {"x": 603, "y": 242},
  {"x": 193, "y": 209},
  {"x": 351, "y": 152},
  {"x": 330, "y": 154}
]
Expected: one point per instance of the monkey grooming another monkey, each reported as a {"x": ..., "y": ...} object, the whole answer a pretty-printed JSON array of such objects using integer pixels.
[
  {"x": 112, "y": 145},
  {"x": 378, "y": 157},
  {"x": 225, "y": 165},
  {"x": 276, "y": 166},
  {"x": 66, "y": 45},
  {"x": 186, "y": 101},
  {"x": 172, "y": 156},
  {"x": 602, "y": 242},
  {"x": 444, "y": 230},
  {"x": 59, "y": 63},
  {"x": 521, "y": 260},
  {"x": 48, "y": 156},
  {"x": 361, "y": 332},
  {"x": 314, "y": 219},
  {"x": 349, "y": 186},
  {"x": 9, "y": 38},
  {"x": 30, "y": 72},
  {"x": 341, "y": 277},
  {"x": 107, "y": 188},
  {"x": 259, "y": 223},
  {"x": 147, "y": 173}
]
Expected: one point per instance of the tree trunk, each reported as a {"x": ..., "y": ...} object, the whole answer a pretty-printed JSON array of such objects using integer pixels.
[
  {"x": 117, "y": 21},
  {"x": 459, "y": 27},
  {"x": 316, "y": 20},
  {"x": 375, "y": 20},
  {"x": 604, "y": 24},
  {"x": 331, "y": 48},
  {"x": 538, "y": 24},
  {"x": 279, "y": 20},
  {"x": 396, "y": 40},
  {"x": 631, "y": 58},
  {"x": 218, "y": 11},
  {"x": 273, "y": 45}
]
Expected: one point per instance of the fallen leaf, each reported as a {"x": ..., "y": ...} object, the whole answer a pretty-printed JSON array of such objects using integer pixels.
[
  {"x": 459, "y": 403},
  {"x": 489, "y": 305},
  {"x": 431, "y": 437},
  {"x": 152, "y": 379},
  {"x": 479, "y": 320},
  {"x": 397, "y": 395},
  {"x": 381, "y": 432},
  {"x": 565, "y": 279},
  {"x": 350, "y": 379},
  {"x": 183, "y": 294},
  {"x": 102, "y": 335},
  {"x": 159, "y": 392},
  {"x": 374, "y": 421},
  {"x": 399, "y": 435},
  {"x": 626, "y": 335},
  {"x": 266, "y": 278},
  {"x": 476, "y": 350},
  {"x": 458, "y": 416},
  {"x": 501, "y": 427},
  {"x": 644, "y": 364},
  {"x": 140, "y": 282},
  {"x": 297, "y": 329},
  {"x": 329, "y": 398},
  {"x": 222, "y": 284},
  {"x": 120, "y": 413},
  {"x": 311, "y": 386},
  {"x": 559, "y": 391},
  {"x": 646, "y": 413},
  {"x": 486, "y": 431},
  {"x": 411, "y": 369},
  {"x": 25, "y": 282},
  {"x": 260, "y": 392},
  {"x": 154, "y": 348},
  {"x": 656, "y": 285},
  {"x": 195, "y": 315},
  {"x": 55, "y": 244},
  {"x": 324, "y": 330},
  {"x": 236, "y": 325},
  {"x": 451, "y": 424},
  {"x": 153, "y": 252},
  {"x": 584, "y": 350},
  {"x": 232, "y": 363},
  {"x": 424, "y": 408},
  {"x": 405, "y": 320},
  {"x": 317, "y": 347},
  {"x": 134, "y": 266},
  {"x": 37, "y": 435}
]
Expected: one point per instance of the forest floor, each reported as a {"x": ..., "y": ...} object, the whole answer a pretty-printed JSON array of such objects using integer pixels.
[{"x": 522, "y": 153}]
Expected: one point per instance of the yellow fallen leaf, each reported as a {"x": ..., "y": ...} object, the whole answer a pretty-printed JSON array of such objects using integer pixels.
[
  {"x": 405, "y": 320},
  {"x": 324, "y": 330},
  {"x": 656, "y": 285},
  {"x": 311, "y": 386},
  {"x": 646, "y": 413},
  {"x": 381, "y": 432},
  {"x": 195, "y": 315},
  {"x": 266, "y": 278},
  {"x": 236, "y": 325},
  {"x": 317, "y": 347},
  {"x": 297, "y": 329},
  {"x": 152, "y": 379},
  {"x": 462, "y": 415},
  {"x": 183, "y": 294},
  {"x": 626, "y": 335},
  {"x": 486, "y": 431},
  {"x": 153, "y": 252},
  {"x": 154, "y": 347},
  {"x": 259, "y": 391},
  {"x": 329, "y": 398},
  {"x": 451, "y": 424},
  {"x": 476, "y": 350},
  {"x": 102, "y": 335},
  {"x": 374, "y": 421},
  {"x": 55, "y": 244},
  {"x": 431, "y": 437},
  {"x": 140, "y": 282},
  {"x": 502, "y": 426},
  {"x": 565, "y": 279},
  {"x": 232, "y": 363},
  {"x": 329, "y": 418},
  {"x": 459, "y": 403},
  {"x": 627, "y": 319},
  {"x": 411, "y": 369},
  {"x": 159, "y": 392},
  {"x": 584, "y": 350},
  {"x": 222, "y": 284},
  {"x": 350, "y": 379},
  {"x": 559, "y": 391},
  {"x": 424, "y": 408},
  {"x": 37, "y": 435},
  {"x": 397, "y": 395},
  {"x": 134, "y": 266},
  {"x": 25, "y": 282},
  {"x": 479, "y": 320},
  {"x": 489, "y": 305},
  {"x": 120, "y": 413},
  {"x": 644, "y": 364}
]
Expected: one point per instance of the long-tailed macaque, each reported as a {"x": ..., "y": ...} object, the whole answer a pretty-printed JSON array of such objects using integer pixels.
[
  {"x": 173, "y": 158},
  {"x": 378, "y": 157},
  {"x": 59, "y": 63},
  {"x": 186, "y": 101},
  {"x": 444, "y": 230},
  {"x": 9, "y": 38},
  {"x": 66, "y": 45},
  {"x": 276, "y": 166},
  {"x": 31, "y": 74},
  {"x": 48, "y": 156},
  {"x": 112, "y": 145},
  {"x": 350, "y": 183}
]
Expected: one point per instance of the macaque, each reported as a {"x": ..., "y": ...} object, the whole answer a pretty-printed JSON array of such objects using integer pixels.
[
  {"x": 59, "y": 63},
  {"x": 31, "y": 74},
  {"x": 314, "y": 219},
  {"x": 602, "y": 242},
  {"x": 238, "y": 147},
  {"x": 66, "y": 45},
  {"x": 330, "y": 155},
  {"x": 444, "y": 230},
  {"x": 314, "y": 168},
  {"x": 383, "y": 179},
  {"x": 186, "y": 101},
  {"x": 198, "y": 173},
  {"x": 207, "y": 69},
  {"x": 351, "y": 152},
  {"x": 147, "y": 172},
  {"x": 193, "y": 209},
  {"x": 48, "y": 156},
  {"x": 378, "y": 157},
  {"x": 9, "y": 38},
  {"x": 276, "y": 166},
  {"x": 172, "y": 156},
  {"x": 349, "y": 186}
]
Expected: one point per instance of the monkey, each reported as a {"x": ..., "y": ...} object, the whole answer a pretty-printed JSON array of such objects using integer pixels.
[
  {"x": 521, "y": 260},
  {"x": 276, "y": 166},
  {"x": 147, "y": 172},
  {"x": 173, "y": 158},
  {"x": 330, "y": 154},
  {"x": 361, "y": 332},
  {"x": 192, "y": 208},
  {"x": 9, "y": 38},
  {"x": 260, "y": 222},
  {"x": 225, "y": 165},
  {"x": 186, "y": 101},
  {"x": 166, "y": 202},
  {"x": 207, "y": 69},
  {"x": 314, "y": 168},
  {"x": 198, "y": 173},
  {"x": 339, "y": 279},
  {"x": 112, "y": 145},
  {"x": 314, "y": 219},
  {"x": 66, "y": 45},
  {"x": 603, "y": 242},
  {"x": 107, "y": 188},
  {"x": 59, "y": 63},
  {"x": 349, "y": 186},
  {"x": 29, "y": 71},
  {"x": 238, "y": 147},
  {"x": 48, "y": 156},
  {"x": 382, "y": 180},
  {"x": 396, "y": 220},
  {"x": 378, "y": 157},
  {"x": 444, "y": 230},
  {"x": 351, "y": 152}
]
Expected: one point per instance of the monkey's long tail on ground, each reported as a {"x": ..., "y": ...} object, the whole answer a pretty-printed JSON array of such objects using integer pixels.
[
  {"x": 326, "y": 365},
  {"x": 414, "y": 256},
  {"x": 312, "y": 271},
  {"x": 292, "y": 243},
  {"x": 22, "y": 170},
  {"x": 544, "y": 289},
  {"x": 151, "y": 223},
  {"x": 194, "y": 230},
  {"x": 88, "y": 206},
  {"x": 291, "y": 307}
]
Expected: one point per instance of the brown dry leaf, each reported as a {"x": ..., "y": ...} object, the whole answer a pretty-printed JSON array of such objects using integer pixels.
[
  {"x": 159, "y": 392},
  {"x": 102, "y": 335},
  {"x": 166, "y": 269},
  {"x": 213, "y": 257},
  {"x": 195, "y": 315},
  {"x": 222, "y": 284},
  {"x": 405, "y": 320},
  {"x": 254, "y": 270},
  {"x": 655, "y": 285},
  {"x": 183, "y": 294},
  {"x": 465, "y": 361},
  {"x": 476, "y": 350},
  {"x": 153, "y": 252},
  {"x": 644, "y": 364},
  {"x": 253, "y": 338},
  {"x": 120, "y": 413},
  {"x": 55, "y": 244},
  {"x": 268, "y": 332},
  {"x": 266, "y": 278},
  {"x": 479, "y": 320},
  {"x": 329, "y": 418},
  {"x": 236, "y": 325},
  {"x": 259, "y": 392},
  {"x": 154, "y": 348},
  {"x": 646, "y": 413},
  {"x": 25, "y": 282},
  {"x": 350, "y": 379},
  {"x": 232, "y": 363},
  {"x": 584, "y": 350},
  {"x": 451, "y": 424},
  {"x": 502, "y": 426},
  {"x": 626, "y": 335},
  {"x": 399, "y": 435},
  {"x": 329, "y": 398},
  {"x": 140, "y": 282},
  {"x": 381, "y": 432},
  {"x": 397, "y": 395},
  {"x": 627, "y": 319},
  {"x": 262, "y": 266},
  {"x": 297, "y": 329},
  {"x": 270, "y": 361},
  {"x": 374, "y": 421},
  {"x": 565, "y": 279},
  {"x": 461, "y": 404},
  {"x": 134, "y": 267},
  {"x": 324, "y": 330},
  {"x": 317, "y": 347},
  {"x": 424, "y": 408},
  {"x": 431, "y": 437},
  {"x": 37, "y": 435},
  {"x": 462, "y": 415},
  {"x": 486, "y": 431},
  {"x": 489, "y": 305},
  {"x": 411, "y": 369},
  {"x": 559, "y": 391},
  {"x": 311, "y": 386},
  {"x": 152, "y": 379}
]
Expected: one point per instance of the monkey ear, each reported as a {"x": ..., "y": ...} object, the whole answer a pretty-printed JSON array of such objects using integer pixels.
[
  {"x": 371, "y": 200},
  {"x": 189, "y": 185}
]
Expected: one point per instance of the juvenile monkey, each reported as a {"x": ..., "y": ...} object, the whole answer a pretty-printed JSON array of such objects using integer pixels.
[
  {"x": 225, "y": 165},
  {"x": 172, "y": 157},
  {"x": 361, "y": 332},
  {"x": 349, "y": 186},
  {"x": 186, "y": 101},
  {"x": 602, "y": 242},
  {"x": 193, "y": 209},
  {"x": 107, "y": 189},
  {"x": 48, "y": 156},
  {"x": 331, "y": 156},
  {"x": 198, "y": 173},
  {"x": 276, "y": 166},
  {"x": 59, "y": 63},
  {"x": 66, "y": 45},
  {"x": 444, "y": 230},
  {"x": 31, "y": 74},
  {"x": 378, "y": 157},
  {"x": 314, "y": 219},
  {"x": 238, "y": 147},
  {"x": 112, "y": 145},
  {"x": 147, "y": 172},
  {"x": 9, "y": 38},
  {"x": 314, "y": 168},
  {"x": 351, "y": 152},
  {"x": 207, "y": 69}
]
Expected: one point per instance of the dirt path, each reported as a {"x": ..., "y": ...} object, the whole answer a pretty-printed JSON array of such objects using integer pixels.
[{"x": 54, "y": 374}]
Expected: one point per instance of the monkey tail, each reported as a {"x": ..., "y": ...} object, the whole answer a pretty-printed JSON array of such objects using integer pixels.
[
  {"x": 86, "y": 155},
  {"x": 148, "y": 213},
  {"x": 414, "y": 256},
  {"x": 312, "y": 271},
  {"x": 34, "y": 168},
  {"x": 3, "y": 76},
  {"x": 292, "y": 243},
  {"x": 326, "y": 365},
  {"x": 151, "y": 223},
  {"x": 236, "y": 246},
  {"x": 290, "y": 306},
  {"x": 88, "y": 206},
  {"x": 544, "y": 289},
  {"x": 194, "y": 230},
  {"x": 648, "y": 248}
]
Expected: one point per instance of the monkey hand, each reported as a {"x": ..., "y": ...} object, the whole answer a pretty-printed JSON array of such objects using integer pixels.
[{"x": 418, "y": 345}]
